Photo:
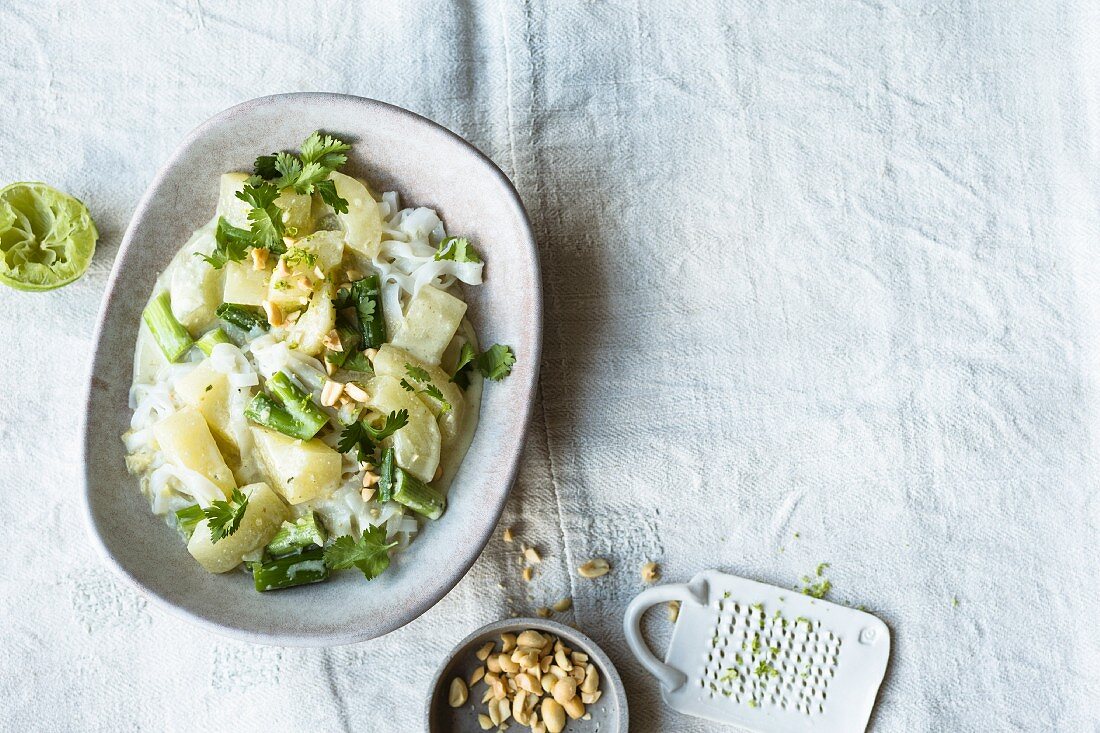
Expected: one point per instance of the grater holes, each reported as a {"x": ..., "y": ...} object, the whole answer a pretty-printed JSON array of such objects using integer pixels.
[{"x": 762, "y": 659}]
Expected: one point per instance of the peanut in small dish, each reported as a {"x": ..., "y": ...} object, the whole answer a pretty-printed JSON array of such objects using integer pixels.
[{"x": 532, "y": 679}]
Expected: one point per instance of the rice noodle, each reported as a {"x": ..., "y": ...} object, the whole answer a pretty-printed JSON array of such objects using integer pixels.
[{"x": 406, "y": 257}]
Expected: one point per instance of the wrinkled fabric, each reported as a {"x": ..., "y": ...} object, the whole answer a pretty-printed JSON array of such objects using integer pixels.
[{"x": 821, "y": 286}]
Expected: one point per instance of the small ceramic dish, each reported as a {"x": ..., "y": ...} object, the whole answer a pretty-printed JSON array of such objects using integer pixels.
[
  {"x": 608, "y": 714},
  {"x": 428, "y": 165}
]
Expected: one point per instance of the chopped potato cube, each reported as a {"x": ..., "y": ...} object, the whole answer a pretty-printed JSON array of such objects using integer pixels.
[
  {"x": 245, "y": 285},
  {"x": 262, "y": 518},
  {"x": 297, "y": 212},
  {"x": 208, "y": 390},
  {"x": 232, "y": 208},
  {"x": 363, "y": 221},
  {"x": 300, "y": 470},
  {"x": 430, "y": 323},
  {"x": 309, "y": 331},
  {"x": 390, "y": 361},
  {"x": 195, "y": 287},
  {"x": 415, "y": 446},
  {"x": 294, "y": 290},
  {"x": 186, "y": 441}
]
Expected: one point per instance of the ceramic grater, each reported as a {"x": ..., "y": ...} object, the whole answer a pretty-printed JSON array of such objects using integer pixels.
[{"x": 765, "y": 658}]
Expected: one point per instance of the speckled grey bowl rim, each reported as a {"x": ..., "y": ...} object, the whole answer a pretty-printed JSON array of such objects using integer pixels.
[
  {"x": 611, "y": 684},
  {"x": 464, "y": 556}
]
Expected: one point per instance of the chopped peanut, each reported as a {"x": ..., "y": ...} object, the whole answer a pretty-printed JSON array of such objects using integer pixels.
[
  {"x": 274, "y": 314},
  {"x": 356, "y": 392}
]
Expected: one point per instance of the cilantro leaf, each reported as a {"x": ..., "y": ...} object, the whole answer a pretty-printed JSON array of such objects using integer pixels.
[
  {"x": 355, "y": 297},
  {"x": 496, "y": 362},
  {"x": 258, "y": 195},
  {"x": 327, "y": 190},
  {"x": 370, "y": 554},
  {"x": 353, "y": 436},
  {"x": 310, "y": 175},
  {"x": 457, "y": 249},
  {"x": 417, "y": 373},
  {"x": 289, "y": 168},
  {"x": 325, "y": 150},
  {"x": 434, "y": 392},
  {"x": 265, "y": 216},
  {"x": 264, "y": 167},
  {"x": 224, "y": 517},
  {"x": 394, "y": 422},
  {"x": 365, "y": 437},
  {"x": 231, "y": 245},
  {"x": 466, "y": 357}
]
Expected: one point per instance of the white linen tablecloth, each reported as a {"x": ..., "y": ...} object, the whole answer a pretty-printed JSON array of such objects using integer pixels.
[{"x": 817, "y": 268}]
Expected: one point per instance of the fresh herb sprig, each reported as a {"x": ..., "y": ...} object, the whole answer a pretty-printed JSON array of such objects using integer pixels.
[
  {"x": 307, "y": 172},
  {"x": 457, "y": 249},
  {"x": 370, "y": 554},
  {"x": 230, "y": 244},
  {"x": 224, "y": 517},
  {"x": 264, "y": 215},
  {"x": 418, "y": 374},
  {"x": 494, "y": 363},
  {"x": 364, "y": 437}
]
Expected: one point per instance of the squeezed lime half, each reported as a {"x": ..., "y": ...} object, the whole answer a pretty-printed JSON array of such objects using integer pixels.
[{"x": 47, "y": 238}]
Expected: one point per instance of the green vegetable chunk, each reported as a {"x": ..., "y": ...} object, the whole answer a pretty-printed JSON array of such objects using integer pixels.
[
  {"x": 210, "y": 339},
  {"x": 265, "y": 411},
  {"x": 291, "y": 412},
  {"x": 285, "y": 572},
  {"x": 47, "y": 238},
  {"x": 386, "y": 476},
  {"x": 298, "y": 403},
  {"x": 417, "y": 495},
  {"x": 170, "y": 335},
  {"x": 244, "y": 317},
  {"x": 297, "y": 536}
]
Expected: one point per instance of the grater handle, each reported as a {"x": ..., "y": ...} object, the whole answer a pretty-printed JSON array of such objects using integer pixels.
[{"x": 669, "y": 677}]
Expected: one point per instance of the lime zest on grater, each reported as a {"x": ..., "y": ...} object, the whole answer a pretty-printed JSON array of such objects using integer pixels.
[{"x": 764, "y": 658}]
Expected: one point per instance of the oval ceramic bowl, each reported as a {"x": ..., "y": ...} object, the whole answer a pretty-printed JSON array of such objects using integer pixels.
[
  {"x": 609, "y": 714},
  {"x": 395, "y": 150}
]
